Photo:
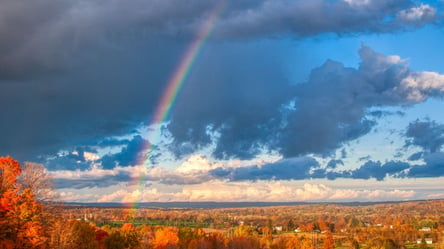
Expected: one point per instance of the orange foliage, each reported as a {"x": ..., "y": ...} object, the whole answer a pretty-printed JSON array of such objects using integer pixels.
[
  {"x": 128, "y": 227},
  {"x": 216, "y": 241},
  {"x": 328, "y": 242},
  {"x": 20, "y": 214},
  {"x": 9, "y": 170},
  {"x": 293, "y": 243},
  {"x": 165, "y": 238},
  {"x": 244, "y": 243}
]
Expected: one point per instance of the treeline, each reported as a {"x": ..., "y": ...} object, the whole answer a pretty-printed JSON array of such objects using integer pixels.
[{"x": 80, "y": 234}]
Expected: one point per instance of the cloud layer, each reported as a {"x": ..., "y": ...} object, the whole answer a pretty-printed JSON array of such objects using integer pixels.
[
  {"x": 261, "y": 191},
  {"x": 75, "y": 72},
  {"x": 318, "y": 116},
  {"x": 308, "y": 18},
  {"x": 56, "y": 31}
]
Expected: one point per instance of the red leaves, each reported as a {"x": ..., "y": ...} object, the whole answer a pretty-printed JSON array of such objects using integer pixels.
[
  {"x": 8, "y": 199},
  {"x": 19, "y": 213},
  {"x": 100, "y": 235},
  {"x": 9, "y": 170}
]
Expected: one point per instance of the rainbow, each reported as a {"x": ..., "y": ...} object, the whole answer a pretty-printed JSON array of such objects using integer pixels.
[{"x": 175, "y": 84}]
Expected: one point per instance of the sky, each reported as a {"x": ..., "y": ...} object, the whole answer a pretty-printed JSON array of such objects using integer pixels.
[{"x": 221, "y": 100}]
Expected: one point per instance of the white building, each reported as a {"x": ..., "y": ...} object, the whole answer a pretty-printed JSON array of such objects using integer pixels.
[{"x": 428, "y": 241}]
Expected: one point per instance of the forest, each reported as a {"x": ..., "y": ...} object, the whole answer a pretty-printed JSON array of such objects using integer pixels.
[{"x": 30, "y": 219}]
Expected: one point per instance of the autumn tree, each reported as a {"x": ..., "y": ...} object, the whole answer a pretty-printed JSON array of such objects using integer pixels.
[
  {"x": 189, "y": 235},
  {"x": 216, "y": 241},
  {"x": 20, "y": 213},
  {"x": 115, "y": 241},
  {"x": 146, "y": 234},
  {"x": 290, "y": 225},
  {"x": 100, "y": 236},
  {"x": 9, "y": 170},
  {"x": 166, "y": 238},
  {"x": 58, "y": 234},
  {"x": 322, "y": 225},
  {"x": 193, "y": 244},
  {"x": 354, "y": 244},
  {"x": 68, "y": 234},
  {"x": 328, "y": 242},
  {"x": 293, "y": 243},
  {"x": 307, "y": 244},
  {"x": 130, "y": 236},
  {"x": 242, "y": 231},
  {"x": 244, "y": 243},
  {"x": 280, "y": 243},
  {"x": 35, "y": 177}
]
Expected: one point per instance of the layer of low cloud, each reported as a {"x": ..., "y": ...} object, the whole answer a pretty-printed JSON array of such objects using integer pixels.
[
  {"x": 200, "y": 170},
  {"x": 295, "y": 169},
  {"x": 261, "y": 191},
  {"x": 195, "y": 170}
]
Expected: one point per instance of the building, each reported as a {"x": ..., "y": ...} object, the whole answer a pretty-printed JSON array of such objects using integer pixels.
[{"x": 428, "y": 241}]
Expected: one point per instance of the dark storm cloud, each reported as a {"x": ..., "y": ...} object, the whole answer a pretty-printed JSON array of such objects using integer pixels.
[
  {"x": 286, "y": 169},
  {"x": 74, "y": 72},
  {"x": 380, "y": 114},
  {"x": 318, "y": 116},
  {"x": 377, "y": 170},
  {"x": 426, "y": 134},
  {"x": 43, "y": 35},
  {"x": 331, "y": 107},
  {"x": 71, "y": 160},
  {"x": 429, "y": 135},
  {"x": 334, "y": 163},
  {"x": 91, "y": 182},
  {"x": 130, "y": 154},
  {"x": 433, "y": 167},
  {"x": 306, "y": 167},
  {"x": 238, "y": 101},
  {"x": 306, "y": 18},
  {"x": 416, "y": 156},
  {"x": 65, "y": 163},
  {"x": 364, "y": 158}
]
